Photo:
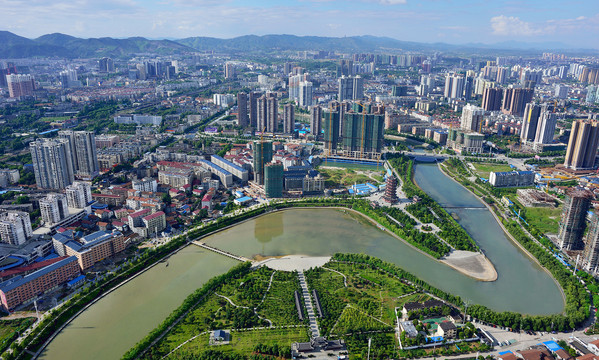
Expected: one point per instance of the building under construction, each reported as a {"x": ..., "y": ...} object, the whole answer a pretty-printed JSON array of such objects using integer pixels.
[
  {"x": 363, "y": 133},
  {"x": 273, "y": 180},
  {"x": 262, "y": 156},
  {"x": 573, "y": 221}
]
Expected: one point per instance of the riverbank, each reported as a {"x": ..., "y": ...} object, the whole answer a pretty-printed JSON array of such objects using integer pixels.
[
  {"x": 471, "y": 264},
  {"x": 506, "y": 232}
]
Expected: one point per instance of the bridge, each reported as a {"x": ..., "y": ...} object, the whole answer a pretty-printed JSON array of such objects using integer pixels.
[
  {"x": 464, "y": 207},
  {"x": 221, "y": 252}
]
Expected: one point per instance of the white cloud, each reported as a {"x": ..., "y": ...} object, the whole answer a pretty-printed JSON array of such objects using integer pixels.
[
  {"x": 392, "y": 2},
  {"x": 511, "y": 25}
]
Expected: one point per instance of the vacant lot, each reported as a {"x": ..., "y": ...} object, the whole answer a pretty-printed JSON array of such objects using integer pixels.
[
  {"x": 483, "y": 170},
  {"x": 544, "y": 219}
]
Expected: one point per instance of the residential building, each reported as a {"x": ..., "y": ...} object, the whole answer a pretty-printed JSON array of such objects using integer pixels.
[
  {"x": 273, "y": 180},
  {"x": 454, "y": 86},
  {"x": 465, "y": 141},
  {"x": 591, "y": 248},
  {"x": 9, "y": 177},
  {"x": 573, "y": 220},
  {"x": 350, "y": 88},
  {"x": 492, "y": 99},
  {"x": 106, "y": 141},
  {"x": 253, "y": 108},
  {"x": 268, "y": 112},
  {"x": 511, "y": 178},
  {"x": 54, "y": 208},
  {"x": 155, "y": 223},
  {"x": 145, "y": 185},
  {"x": 240, "y": 173},
  {"x": 106, "y": 64},
  {"x": 288, "y": 119},
  {"x": 472, "y": 118},
  {"x": 515, "y": 100},
  {"x": 79, "y": 194},
  {"x": 363, "y": 132},
  {"x": 21, "y": 289},
  {"x": 243, "y": 119},
  {"x": 305, "y": 94},
  {"x": 530, "y": 121},
  {"x": 83, "y": 151},
  {"x": 316, "y": 121},
  {"x": 20, "y": 85},
  {"x": 262, "y": 155},
  {"x": 52, "y": 163},
  {"x": 138, "y": 119},
  {"x": 229, "y": 71},
  {"x": 582, "y": 146},
  {"x": 89, "y": 249},
  {"x": 546, "y": 127},
  {"x": 15, "y": 227}
]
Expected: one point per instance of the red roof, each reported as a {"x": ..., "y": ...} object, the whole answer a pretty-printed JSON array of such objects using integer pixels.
[
  {"x": 207, "y": 197},
  {"x": 140, "y": 213},
  {"x": 155, "y": 215},
  {"x": 31, "y": 267}
]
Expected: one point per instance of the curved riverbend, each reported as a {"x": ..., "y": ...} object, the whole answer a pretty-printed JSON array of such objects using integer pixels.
[{"x": 115, "y": 323}]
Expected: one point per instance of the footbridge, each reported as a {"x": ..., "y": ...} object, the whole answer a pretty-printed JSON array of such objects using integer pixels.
[{"x": 221, "y": 252}]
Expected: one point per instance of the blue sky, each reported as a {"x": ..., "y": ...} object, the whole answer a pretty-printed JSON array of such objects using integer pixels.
[{"x": 574, "y": 22}]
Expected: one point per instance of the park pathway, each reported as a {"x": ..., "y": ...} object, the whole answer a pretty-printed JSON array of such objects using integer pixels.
[{"x": 308, "y": 304}]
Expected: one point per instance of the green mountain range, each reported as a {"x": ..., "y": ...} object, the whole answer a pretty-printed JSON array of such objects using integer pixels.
[{"x": 65, "y": 46}]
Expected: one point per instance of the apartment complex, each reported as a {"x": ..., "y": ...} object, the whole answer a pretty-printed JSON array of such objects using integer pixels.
[
  {"x": 15, "y": 227},
  {"x": 89, "y": 249},
  {"x": 52, "y": 163},
  {"x": 21, "y": 289}
]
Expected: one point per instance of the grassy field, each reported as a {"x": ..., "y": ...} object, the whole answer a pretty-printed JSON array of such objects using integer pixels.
[
  {"x": 54, "y": 119},
  {"x": 483, "y": 170},
  {"x": 244, "y": 341},
  {"x": 544, "y": 219},
  {"x": 343, "y": 177},
  {"x": 215, "y": 312},
  {"x": 10, "y": 329},
  {"x": 329, "y": 163},
  {"x": 369, "y": 291}
]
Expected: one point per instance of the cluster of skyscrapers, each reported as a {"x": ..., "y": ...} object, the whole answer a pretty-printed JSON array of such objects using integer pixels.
[
  {"x": 56, "y": 162},
  {"x": 538, "y": 125}
]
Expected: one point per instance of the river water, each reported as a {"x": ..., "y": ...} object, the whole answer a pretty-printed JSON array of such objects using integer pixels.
[{"x": 115, "y": 323}]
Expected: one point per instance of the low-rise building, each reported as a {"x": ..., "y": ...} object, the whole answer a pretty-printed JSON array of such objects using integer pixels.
[
  {"x": 155, "y": 223},
  {"x": 512, "y": 178},
  {"x": 447, "y": 330},
  {"x": 409, "y": 328},
  {"x": 21, "y": 289},
  {"x": 535, "y": 198},
  {"x": 89, "y": 249}
]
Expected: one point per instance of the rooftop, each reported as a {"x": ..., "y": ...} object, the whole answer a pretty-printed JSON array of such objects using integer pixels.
[{"x": 21, "y": 280}]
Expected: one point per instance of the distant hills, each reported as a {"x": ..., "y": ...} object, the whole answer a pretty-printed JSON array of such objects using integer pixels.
[
  {"x": 66, "y": 46},
  {"x": 61, "y": 45}
]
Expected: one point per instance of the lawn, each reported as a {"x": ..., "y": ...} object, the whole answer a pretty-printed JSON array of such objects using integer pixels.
[
  {"x": 369, "y": 292},
  {"x": 244, "y": 342},
  {"x": 330, "y": 163},
  {"x": 347, "y": 177},
  {"x": 55, "y": 119},
  {"x": 483, "y": 170},
  {"x": 10, "y": 329},
  {"x": 544, "y": 219}
]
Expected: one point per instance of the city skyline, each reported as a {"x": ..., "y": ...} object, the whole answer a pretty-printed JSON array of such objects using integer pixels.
[{"x": 453, "y": 22}]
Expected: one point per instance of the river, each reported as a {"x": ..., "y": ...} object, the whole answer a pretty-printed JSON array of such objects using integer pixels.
[{"x": 115, "y": 323}]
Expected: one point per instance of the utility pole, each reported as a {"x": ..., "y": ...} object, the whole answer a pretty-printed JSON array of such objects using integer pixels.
[{"x": 369, "y": 342}]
